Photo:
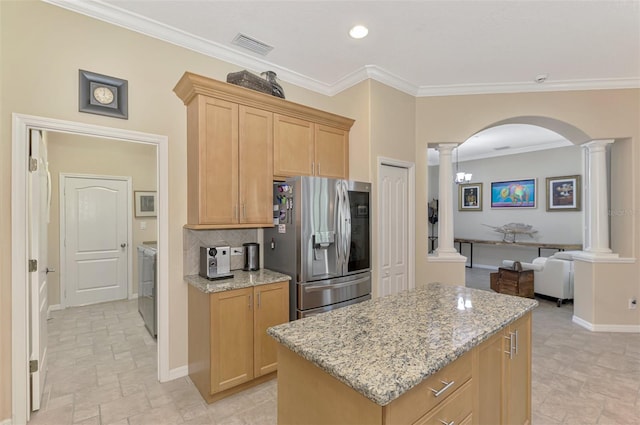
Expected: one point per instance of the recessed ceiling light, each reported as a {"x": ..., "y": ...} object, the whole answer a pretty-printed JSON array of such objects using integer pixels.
[{"x": 359, "y": 31}]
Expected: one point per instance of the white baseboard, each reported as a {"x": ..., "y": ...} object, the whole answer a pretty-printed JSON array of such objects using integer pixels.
[
  {"x": 51, "y": 308},
  {"x": 6, "y": 422},
  {"x": 179, "y": 372},
  {"x": 485, "y": 266},
  {"x": 605, "y": 328}
]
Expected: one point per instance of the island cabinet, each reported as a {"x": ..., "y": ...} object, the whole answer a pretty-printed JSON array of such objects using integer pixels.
[
  {"x": 235, "y": 137},
  {"x": 229, "y": 349},
  {"x": 504, "y": 376},
  {"x": 489, "y": 384},
  {"x": 304, "y": 148}
]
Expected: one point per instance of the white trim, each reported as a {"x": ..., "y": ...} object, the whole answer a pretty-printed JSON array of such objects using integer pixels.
[
  {"x": 453, "y": 257},
  {"x": 133, "y": 296},
  {"x": 62, "y": 224},
  {"x": 51, "y": 308},
  {"x": 21, "y": 124},
  {"x": 411, "y": 207},
  {"x": 484, "y": 267},
  {"x": 612, "y": 258},
  {"x": 149, "y": 27},
  {"x": 605, "y": 328},
  {"x": 179, "y": 372},
  {"x": 6, "y": 422}
]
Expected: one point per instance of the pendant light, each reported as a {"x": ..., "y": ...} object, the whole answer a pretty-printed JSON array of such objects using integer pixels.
[{"x": 461, "y": 176}]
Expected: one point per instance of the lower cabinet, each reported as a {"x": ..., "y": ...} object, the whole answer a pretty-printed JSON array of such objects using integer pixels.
[
  {"x": 490, "y": 384},
  {"x": 229, "y": 349},
  {"x": 504, "y": 376}
]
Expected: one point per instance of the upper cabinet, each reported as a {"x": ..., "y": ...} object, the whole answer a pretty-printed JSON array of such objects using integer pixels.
[
  {"x": 304, "y": 148},
  {"x": 240, "y": 140}
]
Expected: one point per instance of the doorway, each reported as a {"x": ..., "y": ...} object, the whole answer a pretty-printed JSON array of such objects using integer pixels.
[
  {"x": 396, "y": 226},
  {"x": 22, "y": 125}
]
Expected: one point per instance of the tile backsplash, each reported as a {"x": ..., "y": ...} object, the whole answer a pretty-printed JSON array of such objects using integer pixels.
[{"x": 194, "y": 239}]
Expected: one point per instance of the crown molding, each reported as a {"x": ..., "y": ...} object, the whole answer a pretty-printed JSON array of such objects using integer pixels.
[{"x": 134, "y": 22}]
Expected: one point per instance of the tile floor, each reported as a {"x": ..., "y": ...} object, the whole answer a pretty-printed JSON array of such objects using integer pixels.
[{"x": 102, "y": 370}]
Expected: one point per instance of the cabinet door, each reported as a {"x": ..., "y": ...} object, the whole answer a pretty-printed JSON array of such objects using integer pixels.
[
  {"x": 231, "y": 338},
  {"x": 271, "y": 308},
  {"x": 490, "y": 379},
  {"x": 292, "y": 146},
  {"x": 331, "y": 152},
  {"x": 518, "y": 388},
  {"x": 255, "y": 166},
  {"x": 218, "y": 156}
]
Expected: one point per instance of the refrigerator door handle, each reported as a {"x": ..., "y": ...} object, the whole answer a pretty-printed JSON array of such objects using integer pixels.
[
  {"x": 339, "y": 233},
  {"x": 347, "y": 218}
]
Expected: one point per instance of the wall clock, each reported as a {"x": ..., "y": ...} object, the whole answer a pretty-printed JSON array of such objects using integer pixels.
[{"x": 103, "y": 95}]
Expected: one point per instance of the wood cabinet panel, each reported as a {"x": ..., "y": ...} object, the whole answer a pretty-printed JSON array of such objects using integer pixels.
[
  {"x": 271, "y": 308},
  {"x": 331, "y": 152},
  {"x": 490, "y": 379},
  {"x": 518, "y": 374},
  {"x": 231, "y": 338},
  {"x": 217, "y": 162},
  {"x": 293, "y": 147},
  {"x": 255, "y": 165}
]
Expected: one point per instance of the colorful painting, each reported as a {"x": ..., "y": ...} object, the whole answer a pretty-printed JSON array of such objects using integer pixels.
[
  {"x": 470, "y": 197},
  {"x": 514, "y": 194},
  {"x": 563, "y": 193}
]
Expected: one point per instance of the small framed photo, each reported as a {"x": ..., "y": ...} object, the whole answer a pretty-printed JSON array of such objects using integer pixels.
[
  {"x": 513, "y": 194},
  {"x": 470, "y": 197},
  {"x": 146, "y": 205},
  {"x": 563, "y": 193}
]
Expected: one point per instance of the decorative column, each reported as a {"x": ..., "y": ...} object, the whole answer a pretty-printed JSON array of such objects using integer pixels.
[
  {"x": 596, "y": 218},
  {"x": 445, "y": 203}
]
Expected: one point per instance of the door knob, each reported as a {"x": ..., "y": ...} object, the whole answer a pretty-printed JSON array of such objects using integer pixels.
[
  {"x": 123, "y": 245},
  {"x": 48, "y": 270}
]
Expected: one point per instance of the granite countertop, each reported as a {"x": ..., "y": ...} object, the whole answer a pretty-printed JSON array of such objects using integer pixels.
[
  {"x": 386, "y": 346},
  {"x": 240, "y": 279}
]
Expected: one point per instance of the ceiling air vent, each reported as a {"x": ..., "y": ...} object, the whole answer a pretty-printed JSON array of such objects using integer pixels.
[{"x": 251, "y": 44}]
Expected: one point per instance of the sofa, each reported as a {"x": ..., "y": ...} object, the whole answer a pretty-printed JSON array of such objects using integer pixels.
[{"x": 552, "y": 276}]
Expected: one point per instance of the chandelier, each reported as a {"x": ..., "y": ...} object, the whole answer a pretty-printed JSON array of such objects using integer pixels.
[{"x": 461, "y": 176}]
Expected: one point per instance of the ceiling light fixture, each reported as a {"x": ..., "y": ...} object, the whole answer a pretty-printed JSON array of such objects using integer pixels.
[
  {"x": 461, "y": 176},
  {"x": 358, "y": 32}
]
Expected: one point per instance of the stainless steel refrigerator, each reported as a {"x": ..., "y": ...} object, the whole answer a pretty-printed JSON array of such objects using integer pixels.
[{"x": 322, "y": 239}]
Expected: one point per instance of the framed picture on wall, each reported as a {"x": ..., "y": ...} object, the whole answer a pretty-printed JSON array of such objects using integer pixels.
[
  {"x": 145, "y": 204},
  {"x": 513, "y": 194},
  {"x": 563, "y": 193},
  {"x": 470, "y": 197}
]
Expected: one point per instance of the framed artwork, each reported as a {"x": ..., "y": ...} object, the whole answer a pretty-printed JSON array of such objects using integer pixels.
[
  {"x": 145, "y": 203},
  {"x": 563, "y": 193},
  {"x": 513, "y": 194},
  {"x": 103, "y": 95},
  {"x": 470, "y": 197}
]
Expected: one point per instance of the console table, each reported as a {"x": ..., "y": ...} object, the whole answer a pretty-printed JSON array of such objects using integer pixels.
[{"x": 539, "y": 245}]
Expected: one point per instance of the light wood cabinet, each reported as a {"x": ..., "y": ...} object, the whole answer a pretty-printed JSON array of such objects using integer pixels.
[
  {"x": 304, "y": 148},
  {"x": 483, "y": 386},
  {"x": 229, "y": 349},
  {"x": 229, "y": 159},
  {"x": 239, "y": 140},
  {"x": 504, "y": 376}
]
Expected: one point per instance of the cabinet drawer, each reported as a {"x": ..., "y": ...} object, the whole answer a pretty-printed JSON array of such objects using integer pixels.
[
  {"x": 454, "y": 410},
  {"x": 422, "y": 398}
]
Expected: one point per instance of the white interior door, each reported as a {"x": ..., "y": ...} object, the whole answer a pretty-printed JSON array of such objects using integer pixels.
[
  {"x": 394, "y": 223},
  {"x": 39, "y": 202},
  {"x": 96, "y": 218}
]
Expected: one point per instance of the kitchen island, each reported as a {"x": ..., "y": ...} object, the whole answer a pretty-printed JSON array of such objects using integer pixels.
[{"x": 439, "y": 353}]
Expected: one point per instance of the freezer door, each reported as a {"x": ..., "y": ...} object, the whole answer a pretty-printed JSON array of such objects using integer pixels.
[
  {"x": 319, "y": 236},
  {"x": 313, "y": 295}
]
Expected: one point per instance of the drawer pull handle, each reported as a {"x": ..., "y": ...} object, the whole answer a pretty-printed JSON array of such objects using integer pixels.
[
  {"x": 447, "y": 385},
  {"x": 447, "y": 423}
]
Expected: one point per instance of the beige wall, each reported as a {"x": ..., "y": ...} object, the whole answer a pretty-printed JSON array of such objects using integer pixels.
[
  {"x": 89, "y": 155},
  {"x": 42, "y": 49},
  {"x": 601, "y": 114}
]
